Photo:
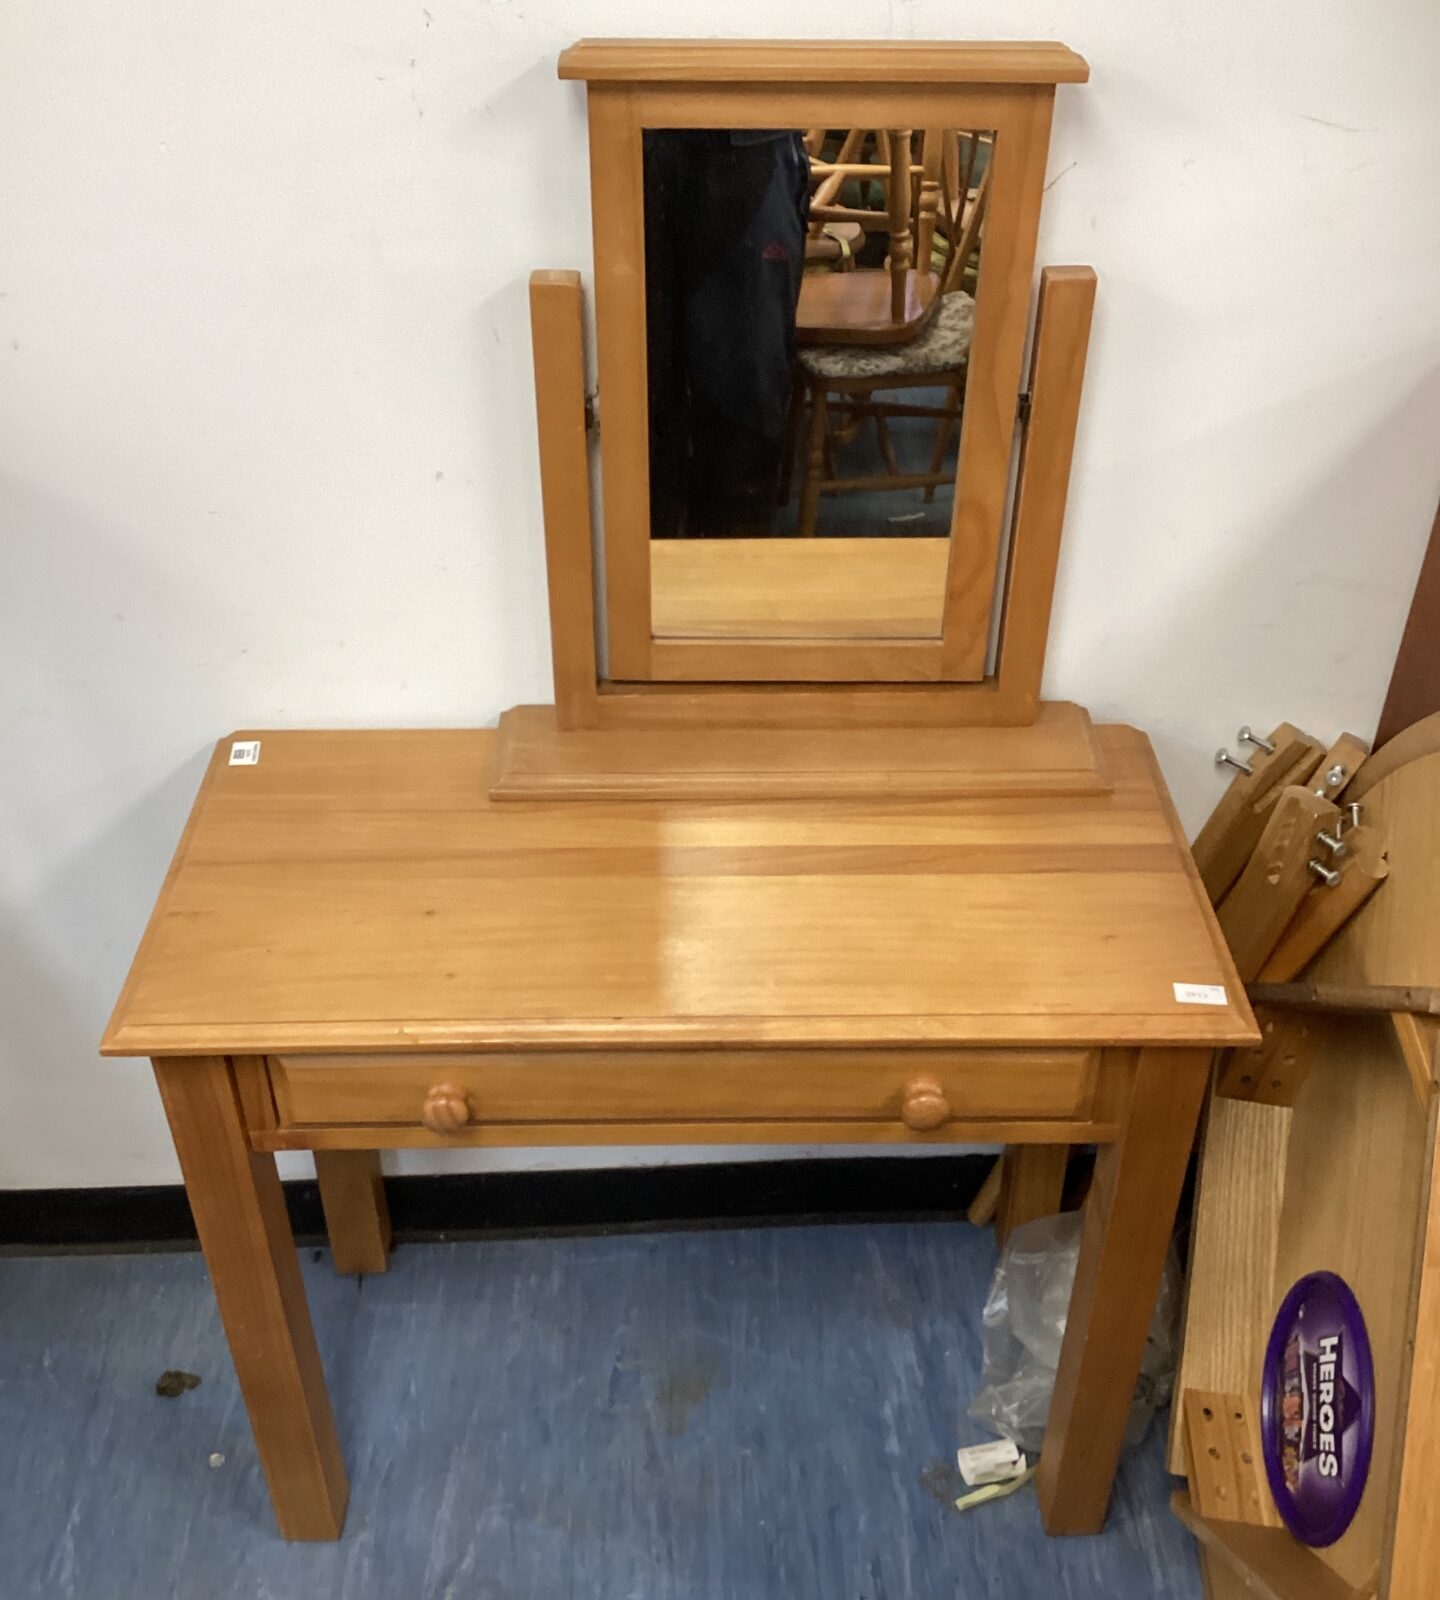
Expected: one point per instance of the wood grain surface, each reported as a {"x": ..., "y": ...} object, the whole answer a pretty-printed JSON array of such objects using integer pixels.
[{"x": 357, "y": 891}]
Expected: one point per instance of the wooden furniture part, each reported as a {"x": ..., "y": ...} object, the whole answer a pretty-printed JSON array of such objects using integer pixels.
[
  {"x": 1336, "y": 1173},
  {"x": 1414, "y": 692},
  {"x": 635, "y": 86},
  {"x": 355, "y": 950},
  {"x": 876, "y": 305},
  {"x": 1233, "y": 828},
  {"x": 1031, "y": 1185},
  {"x": 735, "y": 726},
  {"x": 929, "y": 330}
]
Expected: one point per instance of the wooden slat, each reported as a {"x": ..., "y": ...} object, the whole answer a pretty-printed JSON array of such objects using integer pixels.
[
  {"x": 558, "y": 338},
  {"x": 1057, "y": 373},
  {"x": 1253, "y": 915},
  {"x": 1230, "y": 1285},
  {"x": 1233, "y": 828},
  {"x": 1227, "y": 1482},
  {"x": 882, "y": 61},
  {"x": 1326, "y": 909}
]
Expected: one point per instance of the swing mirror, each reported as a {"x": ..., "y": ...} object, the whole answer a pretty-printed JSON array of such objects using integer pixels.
[{"x": 813, "y": 272}]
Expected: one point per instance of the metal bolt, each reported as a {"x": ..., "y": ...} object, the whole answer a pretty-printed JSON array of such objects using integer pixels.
[
  {"x": 1336, "y": 776},
  {"x": 1246, "y": 737},
  {"x": 1353, "y": 813},
  {"x": 1223, "y": 758},
  {"x": 1327, "y": 875},
  {"x": 1331, "y": 841}
]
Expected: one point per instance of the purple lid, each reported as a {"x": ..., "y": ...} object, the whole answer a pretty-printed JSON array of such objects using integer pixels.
[{"x": 1317, "y": 1408}]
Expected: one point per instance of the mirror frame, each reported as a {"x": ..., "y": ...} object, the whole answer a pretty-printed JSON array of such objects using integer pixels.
[{"x": 638, "y": 84}]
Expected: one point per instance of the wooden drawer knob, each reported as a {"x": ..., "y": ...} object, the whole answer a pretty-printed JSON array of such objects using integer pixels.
[
  {"x": 446, "y": 1109},
  {"x": 924, "y": 1106}
]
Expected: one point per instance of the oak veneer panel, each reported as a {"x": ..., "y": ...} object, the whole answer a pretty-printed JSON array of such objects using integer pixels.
[
  {"x": 789, "y": 61},
  {"x": 726, "y": 1084},
  {"x": 357, "y": 891},
  {"x": 797, "y": 588}
]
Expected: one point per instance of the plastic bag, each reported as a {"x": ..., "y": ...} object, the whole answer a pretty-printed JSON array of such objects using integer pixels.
[{"x": 1024, "y": 1322}]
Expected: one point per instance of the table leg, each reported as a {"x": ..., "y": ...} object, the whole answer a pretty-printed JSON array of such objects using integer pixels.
[
  {"x": 1032, "y": 1185},
  {"x": 356, "y": 1216},
  {"x": 1124, "y": 1237},
  {"x": 240, "y": 1216}
]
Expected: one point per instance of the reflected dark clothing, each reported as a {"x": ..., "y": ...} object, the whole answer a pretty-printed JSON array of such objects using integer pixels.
[{"x": 725, "y": 218}]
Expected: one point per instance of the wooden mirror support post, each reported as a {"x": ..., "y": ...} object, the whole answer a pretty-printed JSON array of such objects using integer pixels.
[{"x": 958, "y": 714}]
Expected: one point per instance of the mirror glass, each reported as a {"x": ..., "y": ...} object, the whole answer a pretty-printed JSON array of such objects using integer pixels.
[{"x": 810, "y": 298}]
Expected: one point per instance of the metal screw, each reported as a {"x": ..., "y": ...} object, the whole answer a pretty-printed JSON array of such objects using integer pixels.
[
  {"x": 1223, "y": 758},
  {"x": 1331, "y": 841},
  {"x": 1327, "y": 875},
  {"x": 1335, "y": 777},
  {"x": 1353, "y": 813},
  {"x": 1246, "y": 737}
]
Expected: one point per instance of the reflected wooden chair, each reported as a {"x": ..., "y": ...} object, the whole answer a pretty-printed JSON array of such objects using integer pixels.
[
  {"x": 874, "y": 305},
  {"x": 840, "y": 385}
]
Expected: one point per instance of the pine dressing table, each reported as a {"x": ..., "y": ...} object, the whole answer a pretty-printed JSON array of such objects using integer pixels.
[{"x": 785, "y": 862}]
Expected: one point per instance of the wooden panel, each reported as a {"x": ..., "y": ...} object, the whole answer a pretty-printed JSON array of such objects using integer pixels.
[
  {"x": 1230, "y": 1286},
  {"x": 1270, "y": 1563},
  {"x": 717, "y": 1084},
  {"x": 1057, "y": 373},
  {"x": 536, "y": 761},
  {"x": 558, "y": 338},
  {"x": 1395, "y": 937},
  {"x": 797, "y": 588},
  {"x": 796, "y": 660},
  {"x": 1414, "y": 690},
  {"x": 1412, "y": 1553},
  {"x": 1356, "y": 1122},
  {"x": 1420, "y": 739},
  {"x": 357, "y": 890},
  {"x": 785, "y": 61}
]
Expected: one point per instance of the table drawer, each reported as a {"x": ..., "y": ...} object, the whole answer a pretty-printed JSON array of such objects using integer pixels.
[{"x": 923, "y": 1089}]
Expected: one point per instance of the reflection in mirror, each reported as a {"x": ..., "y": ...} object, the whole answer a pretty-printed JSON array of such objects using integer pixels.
[{"x": 809, "y": 310}]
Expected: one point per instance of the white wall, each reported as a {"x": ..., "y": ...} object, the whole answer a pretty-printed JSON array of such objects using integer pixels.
[{"x": 266, "y": 429}]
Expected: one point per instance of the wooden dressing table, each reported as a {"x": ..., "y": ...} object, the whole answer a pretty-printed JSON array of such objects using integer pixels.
[{"x": 681, "y": 910}]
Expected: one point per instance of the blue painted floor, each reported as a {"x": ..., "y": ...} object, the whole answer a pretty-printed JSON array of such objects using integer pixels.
[{"x": 732, "y": 1415}]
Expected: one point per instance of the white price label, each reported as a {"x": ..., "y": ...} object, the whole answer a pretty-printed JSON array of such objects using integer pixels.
[
  {"x": 245, "y": 753},
  {"x": 1200, "y": 994}
]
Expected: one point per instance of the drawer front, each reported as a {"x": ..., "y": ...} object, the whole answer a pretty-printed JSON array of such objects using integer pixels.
[{"x": 923, "y": 1089}]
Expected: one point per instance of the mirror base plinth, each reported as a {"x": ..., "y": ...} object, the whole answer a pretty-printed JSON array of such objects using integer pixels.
[{"x": 1055, "y": 755}]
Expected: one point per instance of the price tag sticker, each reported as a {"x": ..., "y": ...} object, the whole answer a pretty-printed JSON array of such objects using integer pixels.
[
  {"x": 1200, "y": 994},
  {"x": 245, "y": 753}
]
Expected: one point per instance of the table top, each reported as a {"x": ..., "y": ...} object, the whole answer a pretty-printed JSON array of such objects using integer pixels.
[{"x": 358, "y": 891}]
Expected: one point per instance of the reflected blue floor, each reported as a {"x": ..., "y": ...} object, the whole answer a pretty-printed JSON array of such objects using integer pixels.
[{"x": 731, "y": 1415}]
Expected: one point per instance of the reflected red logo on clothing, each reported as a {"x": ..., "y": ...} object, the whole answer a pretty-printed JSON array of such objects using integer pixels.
[{"x": 775, "y": 251}]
